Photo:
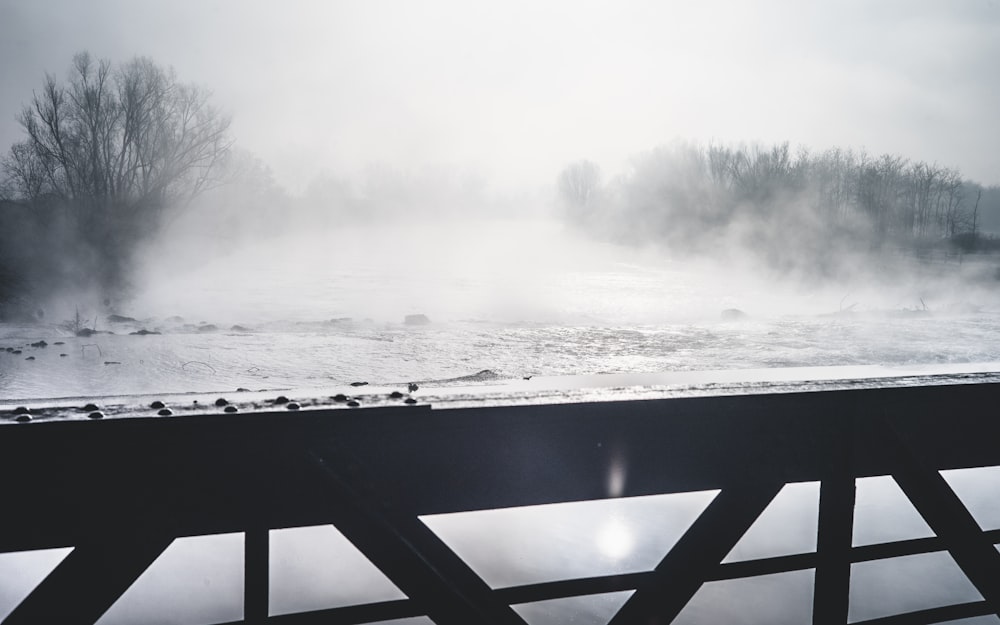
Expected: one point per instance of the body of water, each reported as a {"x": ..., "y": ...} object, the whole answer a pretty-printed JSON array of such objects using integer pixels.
[{"x": 328, "y": 309}]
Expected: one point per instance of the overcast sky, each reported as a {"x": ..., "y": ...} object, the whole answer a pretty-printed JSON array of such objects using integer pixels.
[{"x": 515, "y": 89}]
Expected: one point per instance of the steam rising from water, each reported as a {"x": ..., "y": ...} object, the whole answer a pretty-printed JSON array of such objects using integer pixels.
[
  {"x": 517, "y": 297},
  {"x": 516, "y": 270}
]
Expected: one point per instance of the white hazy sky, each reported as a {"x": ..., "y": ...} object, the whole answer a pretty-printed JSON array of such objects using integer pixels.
[{"x": 516, "y": 89}]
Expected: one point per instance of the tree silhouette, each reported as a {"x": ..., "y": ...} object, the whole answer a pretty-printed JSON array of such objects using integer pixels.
[{"x": 109, "y": 151}]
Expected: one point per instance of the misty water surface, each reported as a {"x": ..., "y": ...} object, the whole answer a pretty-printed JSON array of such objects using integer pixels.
[{"x": 515, "y": 298}]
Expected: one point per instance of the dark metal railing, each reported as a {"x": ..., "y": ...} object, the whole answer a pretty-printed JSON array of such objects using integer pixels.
[{"x": 120, "y": 490}]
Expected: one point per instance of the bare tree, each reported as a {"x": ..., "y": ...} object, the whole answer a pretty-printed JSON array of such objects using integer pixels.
[
  {"x": 113, "y": 147},
  {"x": 579, "y": 185},
  {"x": 975, "y": 212}
]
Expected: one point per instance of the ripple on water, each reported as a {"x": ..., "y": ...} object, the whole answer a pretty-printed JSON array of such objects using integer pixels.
[{"x": 287, "y": 355}]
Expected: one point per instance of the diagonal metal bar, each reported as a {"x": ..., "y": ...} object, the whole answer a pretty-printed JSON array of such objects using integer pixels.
[
  {"x": 89, "y": 580},
  {"x": 934, "y": 615},
  {"x": 947, "y": 517},
  {"x": 406, "y": 550},
  {"x": 907, "y": 547},
  {"x": 728, "y": 570},
  {"x": 881, "y": 551},
  {"x": 960, "y": 533},
  {"x": 764, "y": 566},
  {"x": 570, "y": 588},
  {"x": 696, "y": 556}
]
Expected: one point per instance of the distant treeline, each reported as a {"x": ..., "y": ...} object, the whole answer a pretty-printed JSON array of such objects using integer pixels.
[{"x": 792, "y": 208}]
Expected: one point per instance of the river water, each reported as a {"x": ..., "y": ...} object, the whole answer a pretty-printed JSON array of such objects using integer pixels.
[{"x": 504, "y": 301}]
